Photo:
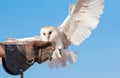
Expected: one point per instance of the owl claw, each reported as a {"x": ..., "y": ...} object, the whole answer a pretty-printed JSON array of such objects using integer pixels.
[
  {"x": 60, "y": 51},
  {"x": 50, "y": 58}
]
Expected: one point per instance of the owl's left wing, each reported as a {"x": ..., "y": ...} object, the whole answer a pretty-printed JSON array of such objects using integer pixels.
[{"x": 82, "y": 19}]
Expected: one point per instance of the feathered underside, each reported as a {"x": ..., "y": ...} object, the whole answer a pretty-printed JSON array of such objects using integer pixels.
[
  {"x": 82, "y": 19},
  {"x": 68, "y": 57}
]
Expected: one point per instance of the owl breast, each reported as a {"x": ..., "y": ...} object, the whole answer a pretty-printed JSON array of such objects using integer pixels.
[{"x": 61, "y": 40}]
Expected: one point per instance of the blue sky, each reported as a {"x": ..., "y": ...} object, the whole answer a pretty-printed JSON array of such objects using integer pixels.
[{"x": 98, "y": 56}]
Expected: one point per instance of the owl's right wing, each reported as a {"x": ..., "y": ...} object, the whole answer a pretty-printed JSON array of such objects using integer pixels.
[
  {"x": 23, "y": 40},
  {"x": 82, "y": 19}
]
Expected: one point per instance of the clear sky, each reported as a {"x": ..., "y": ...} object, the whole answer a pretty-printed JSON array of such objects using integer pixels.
[{"x": 98, "y": 56}]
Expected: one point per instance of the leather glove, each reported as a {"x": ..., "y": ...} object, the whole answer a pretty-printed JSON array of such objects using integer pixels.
[{"x": 39, "y": 50}]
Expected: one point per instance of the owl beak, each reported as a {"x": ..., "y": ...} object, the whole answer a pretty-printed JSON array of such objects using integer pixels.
[{"x": 48, "y": 37}]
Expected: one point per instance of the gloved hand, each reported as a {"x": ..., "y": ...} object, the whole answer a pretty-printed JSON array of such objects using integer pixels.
[{"x": 39, "y": 50}]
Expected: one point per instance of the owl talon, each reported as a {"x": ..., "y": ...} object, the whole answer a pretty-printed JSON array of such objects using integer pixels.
[
  {"x": 60, "y": 52},
  {"x": 50, "y": 58}
]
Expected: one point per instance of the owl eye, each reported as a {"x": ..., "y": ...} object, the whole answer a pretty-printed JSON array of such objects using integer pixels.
[
  {"x": 50, "y": 32},
  {"x": 44, "y": 34}
]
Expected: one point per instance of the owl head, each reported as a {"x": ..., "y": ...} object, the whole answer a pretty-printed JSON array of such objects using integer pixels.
[{"x": 48, "y": 33}]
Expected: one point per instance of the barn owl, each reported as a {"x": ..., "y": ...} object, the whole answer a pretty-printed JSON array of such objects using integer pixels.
[{"x": 82, "y": 18}]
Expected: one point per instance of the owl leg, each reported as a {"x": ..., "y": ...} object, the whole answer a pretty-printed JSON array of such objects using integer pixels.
[{"x": 60, "y": 51}]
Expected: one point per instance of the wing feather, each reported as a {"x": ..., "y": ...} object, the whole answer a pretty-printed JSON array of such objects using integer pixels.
[{"x": 82, "y": 19}]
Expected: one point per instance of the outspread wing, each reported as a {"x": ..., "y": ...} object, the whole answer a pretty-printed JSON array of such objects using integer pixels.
[
  {"x": 82, "y": 19},
  {"x": 24, "y": 40}
]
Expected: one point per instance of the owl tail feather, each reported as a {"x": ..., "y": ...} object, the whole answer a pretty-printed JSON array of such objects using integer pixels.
[{"x": 68, "y": 57}]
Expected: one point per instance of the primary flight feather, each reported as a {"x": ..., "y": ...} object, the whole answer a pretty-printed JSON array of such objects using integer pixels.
[{"x": 82, "y": 18}]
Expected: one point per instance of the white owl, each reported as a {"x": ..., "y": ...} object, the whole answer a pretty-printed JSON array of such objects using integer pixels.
[{"x": 83, "y": 17}]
